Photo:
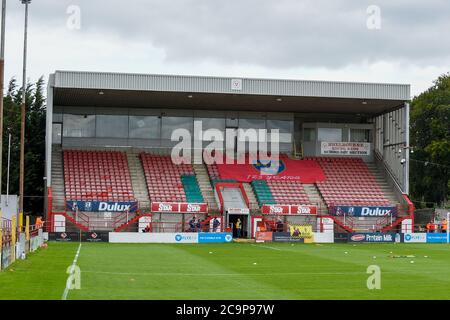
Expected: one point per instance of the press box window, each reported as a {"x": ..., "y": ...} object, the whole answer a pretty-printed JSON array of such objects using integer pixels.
[
  {"x": 330, "y": 134},
  {"x": 360, "y": 135}
]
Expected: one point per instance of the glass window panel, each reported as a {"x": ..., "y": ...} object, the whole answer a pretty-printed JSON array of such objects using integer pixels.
[
  {"x": 112, "y": 126},
  {"x": 252, "y": 123},
  {"x": 57, "y": 117},
  {"x": 212, "y": 123},
  {"x": 170, "y": 124},
  {"x": 360, "y": 135},
  {"x": 282, "y": 125},
  {"x": 330, "y": 134},
  {"x": 78, "y": 126},
  {"x": 145, "y": 127},
  {"x": 56, "y": 133},
  {"x": 309, "y": 134}
]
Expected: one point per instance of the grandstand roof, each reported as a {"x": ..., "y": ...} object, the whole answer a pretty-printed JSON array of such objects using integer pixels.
[{"x": 92, "y": 89}]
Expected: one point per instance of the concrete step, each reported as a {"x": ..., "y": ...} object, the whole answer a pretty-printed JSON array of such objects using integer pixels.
[
  {"x": 251, "y": 196},
  {"x": 137, "y": 179},
  {"x": 206, "y": 189}
]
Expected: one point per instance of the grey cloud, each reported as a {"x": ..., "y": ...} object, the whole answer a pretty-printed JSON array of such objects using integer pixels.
[{"x": 275, "y": 33}]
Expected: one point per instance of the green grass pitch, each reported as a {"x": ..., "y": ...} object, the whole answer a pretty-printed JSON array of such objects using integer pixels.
[{"x": 231, "y": 271}]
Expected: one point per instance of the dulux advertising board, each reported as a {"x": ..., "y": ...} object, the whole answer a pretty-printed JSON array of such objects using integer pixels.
[
  {"x": 101, "y": 206},
  {"x": 364, "y": 211}
]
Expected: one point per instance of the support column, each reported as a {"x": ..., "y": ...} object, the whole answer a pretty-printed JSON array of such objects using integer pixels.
[{"x": 406, "y": 177}]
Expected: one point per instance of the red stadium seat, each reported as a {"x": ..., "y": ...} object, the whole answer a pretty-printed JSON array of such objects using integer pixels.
[
  {"x": 97, "y": 175},
  {"x": 164, "y": 178},
  {"x": 349, "y": 182}
]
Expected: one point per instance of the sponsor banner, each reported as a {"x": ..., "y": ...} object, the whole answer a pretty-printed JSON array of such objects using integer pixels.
[
  {"x": 95, "y": 236},
  {"x": 340, "y": 237},
  {"x": 300, "y": 231},
  {"x": 375, "y": 237},
  {"x": 138, "y": 237},
  {"x": 213, "y": 237},
  {"x": 436, "y": 237},
  {"x": 275, "y": 209},
  {"x": 64, "y": 236},
  {"x": 345, "y": 148},
  {"x": 323, "y": 237},
  {"x": 307, "y": 171},
  {"x": 238, "y": 210},
  {"x": 415, "y": 238},
  {"x": 102, "y": 206},
  {"x": 193, "y": 208},
  {"x": 286, "y": 237},
  {"x": 303, "y": 210},
  {"x": 288, "y": 209},
  {"x": 173, "y": 207},
  {"x": 364, "y": 211},
  {"x": 264, "y": 236}
]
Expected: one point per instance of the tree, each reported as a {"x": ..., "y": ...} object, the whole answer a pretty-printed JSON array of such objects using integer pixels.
[
  {"x": 430, "y": 137},
  {"x": 34, "y": 143}
]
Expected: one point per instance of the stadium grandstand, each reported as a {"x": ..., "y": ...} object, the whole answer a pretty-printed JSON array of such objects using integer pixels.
[{"x": 344, "y": 153}]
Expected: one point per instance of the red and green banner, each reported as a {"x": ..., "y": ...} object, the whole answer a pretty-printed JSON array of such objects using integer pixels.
[{"x": 306, "y": 171}]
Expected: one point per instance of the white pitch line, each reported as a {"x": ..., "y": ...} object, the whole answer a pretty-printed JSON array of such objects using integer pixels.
[
  {"x": 273, "y": 248},
  {"x": 217, "y": 274},
  {"x": 66, "y": 290}
]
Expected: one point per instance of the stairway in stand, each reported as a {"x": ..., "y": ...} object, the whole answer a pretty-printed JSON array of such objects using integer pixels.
[
  {"x": 205, "y": 186},
  {"x": 58, "y": 179},
  {"x": 138, "y": 180},
  {"x": 382, "y": 183},
  {"x": 315, "y": 198},
  {"x": 251, "y": 196}
]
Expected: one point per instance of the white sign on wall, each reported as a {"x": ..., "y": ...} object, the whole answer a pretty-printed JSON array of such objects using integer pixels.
[
  {"x": 59, "y": 222},
  {"x": 236, "y": 84},
  {"x": 238, "y": 210},
  {"x": 345, "y": 148},
  {"x": 144, "y": 222}
]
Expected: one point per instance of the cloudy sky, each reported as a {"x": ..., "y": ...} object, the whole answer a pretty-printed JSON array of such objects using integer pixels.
[{"x": 397, "y": 41}]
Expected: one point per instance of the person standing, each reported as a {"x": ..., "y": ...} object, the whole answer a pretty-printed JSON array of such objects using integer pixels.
[
  {"x": 192, "y": 224},
  {"x": 216, "y": 224},
  {"x": 238, "y": 228},
  {"x": 444, "y": 225},
  {"x": 39, "y": 223}
]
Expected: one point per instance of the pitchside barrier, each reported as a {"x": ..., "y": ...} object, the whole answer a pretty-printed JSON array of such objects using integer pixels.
[
  {"x": 17, "y": 241},
  {"x": 170, "y": 237},
  {"x": 391, "y": 237}
]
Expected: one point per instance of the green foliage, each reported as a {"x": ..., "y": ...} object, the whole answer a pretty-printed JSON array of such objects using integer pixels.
[
  {"x": 430, "y": 136},
  {"x": 34, "y": 143}
]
